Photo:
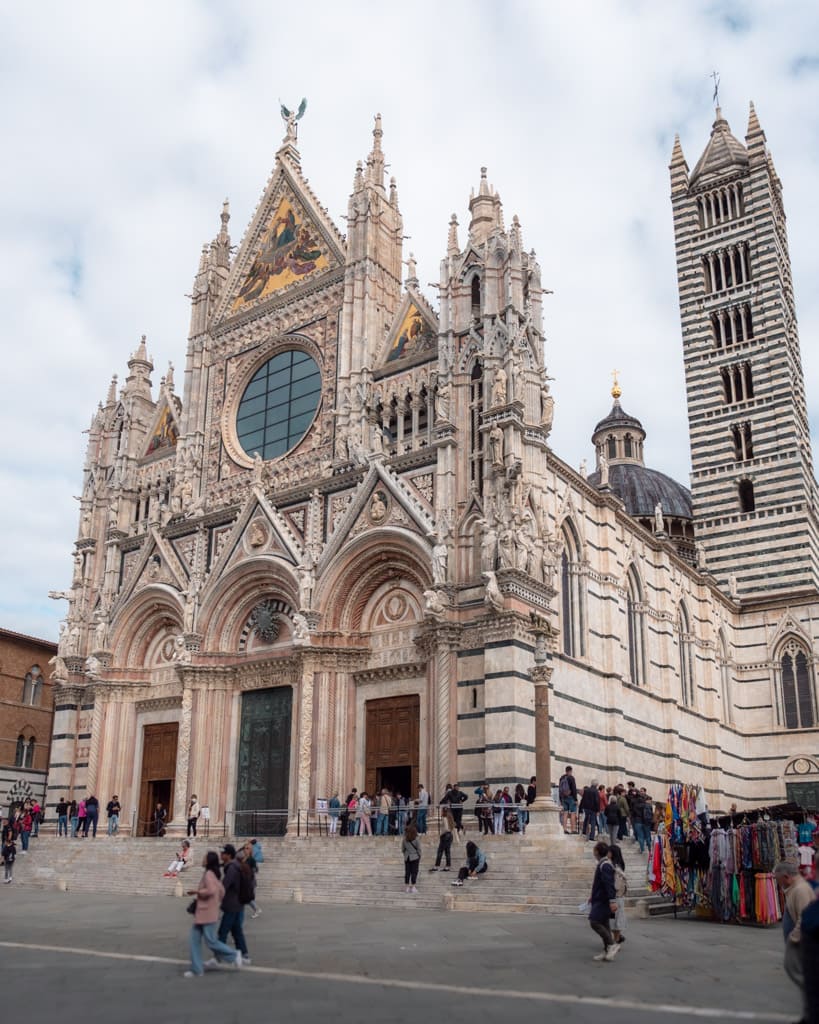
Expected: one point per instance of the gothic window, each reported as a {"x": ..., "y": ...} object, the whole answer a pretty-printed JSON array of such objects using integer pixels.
[
  {"x": 743, "y": 450},
  {"x": 737, "y": 383},
  {"x": 685, "y": 656},
  {"x": 476, "y": 295},
  {"x": 29, "y": 756},
  {"x": 20, "y": 753},
  {"x": 798, "y": 707},
  {"x": 279, "y": 403},
  {"x": 572, "y": 607},
  {"x": 746, "y": 496},
  {"x": 720, "y": 205},
  {"x": 32, "y": 686},
  {"x": 724, "y": 667},
  {"x": 636, "y": 630},
  {"x": 423, "y": 415},
  {"x": 475, "y": 435}
]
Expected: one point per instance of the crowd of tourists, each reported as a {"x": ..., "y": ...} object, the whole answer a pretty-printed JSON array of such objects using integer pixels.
[
  {"x": 616, "y": 811},
  {"x": 388, "y": 812}
]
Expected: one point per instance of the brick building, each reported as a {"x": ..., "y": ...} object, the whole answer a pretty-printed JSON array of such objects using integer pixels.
[{"x": 26, "y": 713}]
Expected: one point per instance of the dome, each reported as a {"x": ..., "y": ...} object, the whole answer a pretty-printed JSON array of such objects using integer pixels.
[
  {"x": 642, "y": 489},
  {"x": 619, "y": 418},
  {"x": 723, "y": 153}
]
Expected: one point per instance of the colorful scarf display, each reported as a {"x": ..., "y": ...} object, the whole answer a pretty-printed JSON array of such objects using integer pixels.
[{"x": 727, "y": 872}]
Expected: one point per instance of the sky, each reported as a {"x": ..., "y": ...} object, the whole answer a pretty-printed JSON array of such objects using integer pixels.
[{"x": 125, "y": 126}]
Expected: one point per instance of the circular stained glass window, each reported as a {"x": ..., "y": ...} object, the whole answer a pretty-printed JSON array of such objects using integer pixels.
[{"x": 279, "y": 404}]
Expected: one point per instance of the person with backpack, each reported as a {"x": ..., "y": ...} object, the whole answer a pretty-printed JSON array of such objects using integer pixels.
[
  {"x": 567, "y": 791},
  {"x": 251, "y": 861},
  {"x": 238, "y": 893},
  {"x": 476, "y": 864},
  {"x": 620, "y": 890},
  {"x": 612, "y": 819}
]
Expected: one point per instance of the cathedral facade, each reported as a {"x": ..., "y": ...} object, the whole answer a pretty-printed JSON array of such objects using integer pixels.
[{"x": 338, "y": 557}]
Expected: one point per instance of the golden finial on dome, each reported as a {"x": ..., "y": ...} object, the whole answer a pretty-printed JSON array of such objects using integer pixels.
[{"x": 616, "y": 390}]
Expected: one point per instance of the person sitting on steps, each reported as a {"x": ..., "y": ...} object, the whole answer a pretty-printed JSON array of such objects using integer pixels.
[
  {"x": 180, "y": 862},
  {"x": 475, "y": 864}
]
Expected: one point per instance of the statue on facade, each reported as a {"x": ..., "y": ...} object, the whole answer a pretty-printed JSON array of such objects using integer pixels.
[
  {"x": 547, "y": 406},
  {"x": 526, "y": 536},
  {"x": 59, "y": 672},
  {"x": 499, "y": 387},
  {"x": 85, "y": 524},
  {"x": 507, "y": 546},
  {"x": 659, "y": 521},
  {"x": 307, "y": 580},
  {"x": 604, "y": 470},
  {"x": 583, "y": 469},
  {"x": 489, "y": 545},
  {"x": 378, "y": 508},
  {"x": 258, "y": 469},
  {"x": 290, "y": 119},
  {"x": 181, "y": 655},
  {"x": 440, "y": 555},
  {"x": 257, "y": 534},
  {"x": 191, "y": 604},
  {"x": 443, "y": 398},
  {"x": 301, "y": 628},
  {"x": 77, "y": 577},
  {"x": 493, "y": 597},
  {"x": 733, "y": 588},
  {"x": 516, "y": 373},
  {"x": 100, "y": 631},
  {"x": 496, "y": 445},
  {"x": 435, "y": 603},
  {"x": 93, "y": 667},
  {"x": 699, "y": 556}
]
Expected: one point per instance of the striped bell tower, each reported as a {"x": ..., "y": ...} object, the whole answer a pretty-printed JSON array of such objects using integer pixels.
[{"x": 754, "y": 493}]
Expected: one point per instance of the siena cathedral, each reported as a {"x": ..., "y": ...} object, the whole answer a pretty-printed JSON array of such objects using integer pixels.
[{"x": 334, "y": 559}]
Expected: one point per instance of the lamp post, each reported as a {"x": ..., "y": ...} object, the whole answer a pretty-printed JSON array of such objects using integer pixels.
[{"x": 544, "y": 813}]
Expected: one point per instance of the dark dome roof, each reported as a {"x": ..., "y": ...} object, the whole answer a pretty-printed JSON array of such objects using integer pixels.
[
  {"x": 641, "y": 489},
  {"x": 618, "y": 417}
]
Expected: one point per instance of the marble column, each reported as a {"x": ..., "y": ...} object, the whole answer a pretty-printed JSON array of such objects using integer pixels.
[
  {"x": 544, "y": 817},
  {"x": 183, "y": 756},
  {"x": 96, "y": 738}
]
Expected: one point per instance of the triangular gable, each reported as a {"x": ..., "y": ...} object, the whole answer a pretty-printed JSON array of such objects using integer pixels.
[
  {"x": 381, "y": 499},
  {"x": 414, "y": 332},
  {"x": 281, "y": 542},
  {"x": 290, "y": 242},
  {"x": 158, "y": 563},
  {"x": 164, "y": 432},
  {"x": 789, "y": 625}
]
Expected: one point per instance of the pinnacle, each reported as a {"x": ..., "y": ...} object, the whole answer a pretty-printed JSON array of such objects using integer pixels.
[
  {"x": 677, "y": 155},
  {"x": 754, "y": 127}
]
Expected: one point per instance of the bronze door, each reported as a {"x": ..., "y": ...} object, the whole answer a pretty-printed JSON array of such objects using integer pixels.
[
  {"x": 158, "y": 773},
  {"x": 392, "y": 743},
  {"x": 264, "y": 761}
]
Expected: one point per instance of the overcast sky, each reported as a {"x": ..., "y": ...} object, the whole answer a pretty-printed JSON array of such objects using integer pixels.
[{"x": 125, "y": 126}]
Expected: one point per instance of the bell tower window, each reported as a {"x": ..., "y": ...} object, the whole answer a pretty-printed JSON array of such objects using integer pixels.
[{"x": 746, "y": 496}]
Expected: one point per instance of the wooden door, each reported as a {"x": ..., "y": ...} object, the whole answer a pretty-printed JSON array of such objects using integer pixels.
[
  {"x": 393, "y": 737},
  {"x": 158, "y": 771}
]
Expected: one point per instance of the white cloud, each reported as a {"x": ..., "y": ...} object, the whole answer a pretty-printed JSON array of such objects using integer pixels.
[{"x": 129, "y": 125}]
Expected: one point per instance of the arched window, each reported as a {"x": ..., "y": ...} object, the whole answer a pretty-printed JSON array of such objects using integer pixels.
[
  {"x": 29, "y": 755},
  {"x": 611, "y": 445},
  {"x": 476, "y": 295},
  {"x": 32, "y": 686},
  {"x": 636, "y": 630},
  {"x": 628, "y": 447},
  {"x": 20, "y": 752},
  {"x": 798, "y": 704},
  {"x": 685, "y": 656},
  {"x": 724, "y": 667},
  {"x": 572, "y": 608},
  {"x": 475, "y": 434}
]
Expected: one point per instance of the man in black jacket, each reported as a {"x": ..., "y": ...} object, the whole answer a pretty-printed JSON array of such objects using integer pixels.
[
  {"x": 456, "y": 800},
  {"x": 233, "y": 912},
  {"x": 567, "y": 791}
]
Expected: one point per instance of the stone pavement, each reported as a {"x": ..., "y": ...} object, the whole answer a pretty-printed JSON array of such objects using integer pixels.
[{"x": 87, "y": 957}]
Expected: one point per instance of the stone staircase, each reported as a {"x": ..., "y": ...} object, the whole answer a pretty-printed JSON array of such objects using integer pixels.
[{"x": 526, "y": 874}]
